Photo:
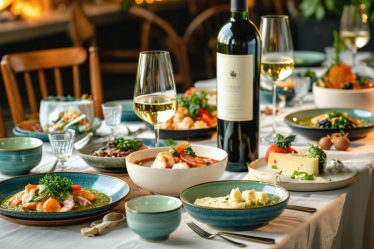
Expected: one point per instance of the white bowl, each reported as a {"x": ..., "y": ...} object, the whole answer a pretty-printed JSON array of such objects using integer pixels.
[
  {"x": 50, "y": 109},
  {"x": 340, "y": 98},
  {"x": 174, "y": 181}
]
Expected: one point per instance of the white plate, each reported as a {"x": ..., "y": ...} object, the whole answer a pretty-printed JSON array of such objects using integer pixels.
[{"x": 325, "y": 181}]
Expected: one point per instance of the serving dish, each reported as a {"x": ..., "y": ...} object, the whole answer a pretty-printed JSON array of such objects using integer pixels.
[
  {"x": 18, "y": 155},
  {"x": 128, "y": 113},
  {"x": 115, "y": 188},
  {"x": 187, "y": 134},
  {"x": 341, "y": 98},
  {"x": 325, "y": 181},
  {"x": 32, "y": 128},
  {"x": 174, "y": 181},
  {"x": 314, "y": 133},
  {"x": 308, "y": 58},
  {"x": 109, "y": 164},
  {"x": 233, "y": 219}
]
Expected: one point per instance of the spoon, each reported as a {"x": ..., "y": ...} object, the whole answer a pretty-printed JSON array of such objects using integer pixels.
[
  {"x": 83, "y": 141},
  {"x": 101, "y": 226}
]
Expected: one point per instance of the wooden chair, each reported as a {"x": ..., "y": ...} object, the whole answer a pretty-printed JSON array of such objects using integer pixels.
[
  {"x": 126, "y": 60},
  {"x": 39, "y": 62}
]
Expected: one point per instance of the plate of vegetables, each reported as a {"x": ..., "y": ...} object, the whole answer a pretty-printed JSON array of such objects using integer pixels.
[
  {"x": 194, "y": 117},
  {"x": 110, "y": 156},
  {"x": 60, "y": 196},
  {"x": 317, "y": 123}
]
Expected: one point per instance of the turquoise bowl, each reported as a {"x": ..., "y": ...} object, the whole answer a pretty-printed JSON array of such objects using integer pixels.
[
  {"x": 18, "y": 155},
  {"x": 233, "y": 219},
  {"x": 153, "y": 217}
]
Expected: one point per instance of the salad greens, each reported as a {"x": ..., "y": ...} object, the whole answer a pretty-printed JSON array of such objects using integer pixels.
[
  {"x": 126, "y": 144},
  {"x": 195, "y": 102}
]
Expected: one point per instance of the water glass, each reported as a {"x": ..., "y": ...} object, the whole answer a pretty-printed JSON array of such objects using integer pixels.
[
  {"x": 62, "y": 143},
  {"x": 302, "y": 85},
  {"x": 112, "y": 116}
]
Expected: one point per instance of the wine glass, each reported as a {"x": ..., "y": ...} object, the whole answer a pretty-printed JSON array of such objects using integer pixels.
[
  {"x": 354, "y": 28},
  {"x": 62, "y": 143},
  {"x": 155, "y": 94},
  {"x": 112, "y": 116},
  {"x": 277, "y": 61}
]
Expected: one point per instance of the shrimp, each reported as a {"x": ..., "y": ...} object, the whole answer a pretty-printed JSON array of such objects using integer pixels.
[
  {"x": 27, "y": 196},
  {"x": 30, "y": 206},
  {"x": 16, "y": 199},
  {"x": 68, "y": 203},
  {"x": 51, "y": 205},
  {"x": 85, "y": 193},
  {"x": 83, "y": 201},
  {"x": 197, "y": 161},
  {"x": 163, "y": 160}
]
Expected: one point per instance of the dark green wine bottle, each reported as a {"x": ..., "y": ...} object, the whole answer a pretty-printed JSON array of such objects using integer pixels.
[{"x": 238, "y": 78}]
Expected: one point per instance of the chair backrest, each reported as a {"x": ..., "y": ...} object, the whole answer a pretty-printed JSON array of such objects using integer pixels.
[
  {"x": 125, "y": 60},
  {"x": 48, "y": 60},
  {"x": 204, "y": 29}
]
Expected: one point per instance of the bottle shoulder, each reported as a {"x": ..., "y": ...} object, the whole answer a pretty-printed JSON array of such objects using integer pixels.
[{"x": 238, "y": 31}]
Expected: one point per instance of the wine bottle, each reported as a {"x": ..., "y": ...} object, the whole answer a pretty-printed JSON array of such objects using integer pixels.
[{"x": 238, "y": 77}]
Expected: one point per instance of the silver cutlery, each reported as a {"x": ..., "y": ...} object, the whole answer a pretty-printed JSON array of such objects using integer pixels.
[
  {"x": 204, "y": 234},
  {"x": 302, "y": 208},
  {"x": 53, "y": 167},
  {"x": 250, "y": 237}
]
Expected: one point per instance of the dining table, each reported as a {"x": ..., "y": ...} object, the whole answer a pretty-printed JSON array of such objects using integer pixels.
[{"x": 344, "y": 217}]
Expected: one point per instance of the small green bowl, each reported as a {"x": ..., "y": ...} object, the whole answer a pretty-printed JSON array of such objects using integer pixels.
[
  {"x": 153, "y": 217},
  {"x": 18, "y": 155}
]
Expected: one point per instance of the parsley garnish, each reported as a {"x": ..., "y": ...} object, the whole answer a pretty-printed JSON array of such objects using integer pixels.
[
  {"x": 126, "y": 144},
  {"x": 194, "y": 102},
  {"x": 56, "y": 186},
  {"x": 189, "y": 151},
  {"x": 282, "y": 141}
]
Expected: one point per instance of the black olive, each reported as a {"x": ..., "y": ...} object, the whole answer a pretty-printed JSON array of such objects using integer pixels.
[
  {"x": 325, "y": 124},
  {"x": 348, "y": 85}
]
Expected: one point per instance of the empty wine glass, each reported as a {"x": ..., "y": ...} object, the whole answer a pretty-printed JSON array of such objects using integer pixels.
[
  {"x": 112, "y": 116},
  {"x": 155, "y": 94},
  {"x": 62, "y": 143},
  {"x": 277, "y": 61},
  {"x": 354, "y": 28}
]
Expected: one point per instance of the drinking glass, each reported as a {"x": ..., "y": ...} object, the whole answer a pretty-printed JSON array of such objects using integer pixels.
[
  {"x": 277, "y": 61},
  {"x": 302, "y": 85},
  {"x": 354, "y": 28},
  {"x": 155, "y": 94},
  {"x": 62, "y": 143},
  {"x": 112, "y": 116}
]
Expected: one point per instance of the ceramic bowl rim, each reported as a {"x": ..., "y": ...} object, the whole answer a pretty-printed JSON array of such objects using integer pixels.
[
  {"x": 287, "y": 119},
  {"x": 166, "y": 148},
  {"x": 234, "y": 209},
  {"x": 344, "y": 91},
  {"x": 180, "y": 204},
  {"x": 40, "y": 143},
  {"x": 75, "y": 173}
]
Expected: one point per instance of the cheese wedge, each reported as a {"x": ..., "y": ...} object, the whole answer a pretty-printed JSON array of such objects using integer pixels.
[{"x": 288, "y": 163}]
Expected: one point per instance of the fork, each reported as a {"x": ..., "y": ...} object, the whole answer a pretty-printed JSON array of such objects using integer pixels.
[
  {"x": 244, "y": 236},
  {"x": 204, "y": 234}
]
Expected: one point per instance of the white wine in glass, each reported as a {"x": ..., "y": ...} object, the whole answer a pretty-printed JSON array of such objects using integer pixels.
[
  {"x": 277, "y": 62},
  {"x": 354, "y": 28},
  {"x": 155, "y": 93}
]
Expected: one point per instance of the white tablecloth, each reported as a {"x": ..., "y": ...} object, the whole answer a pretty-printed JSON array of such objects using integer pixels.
[{"x": 338, "y": 223}]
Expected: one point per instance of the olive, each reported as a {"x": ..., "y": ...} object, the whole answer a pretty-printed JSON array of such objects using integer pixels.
[
  {"x": 325, "y": 143},
  {"x": 348, "y": 85}
]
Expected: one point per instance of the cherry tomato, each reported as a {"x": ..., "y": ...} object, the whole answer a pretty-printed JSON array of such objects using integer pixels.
[
  {"x": 275, "y": 148},
  {"x": 76, "y": 187}
]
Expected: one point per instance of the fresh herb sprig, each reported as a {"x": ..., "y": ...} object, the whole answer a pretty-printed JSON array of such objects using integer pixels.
[
  {"x": 317, "y": 152},
  {"x": 194, "y": 103},
  {"x": 56, "y": 186},
  {"x": 302, "y": 175},
  {"x": 282, "y": 141},
  {"x": 126, "y": 144}
]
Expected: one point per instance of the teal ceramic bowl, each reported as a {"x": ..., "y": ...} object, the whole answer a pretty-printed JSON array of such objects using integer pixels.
[
  {"x": 18, "y": 155},
  {"x": 153, "y": 217},
  {"x": 233, "y": 219}
]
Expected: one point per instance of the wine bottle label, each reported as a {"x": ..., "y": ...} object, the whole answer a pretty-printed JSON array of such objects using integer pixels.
[{"x": 235, "y": 87}]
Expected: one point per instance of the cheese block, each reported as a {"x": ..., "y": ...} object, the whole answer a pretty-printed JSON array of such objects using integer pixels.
[{"x": 288, "y": 163}]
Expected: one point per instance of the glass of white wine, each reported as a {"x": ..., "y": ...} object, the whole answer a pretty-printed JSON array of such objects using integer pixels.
[
  {"x": 155, "y": 93},
  {"x": 354, "y": 28},
  {"x": 277, "y": 61}
]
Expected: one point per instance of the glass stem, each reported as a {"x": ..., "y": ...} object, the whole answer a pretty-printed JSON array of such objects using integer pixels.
[
  {"x": 112, "y": 133},
  {"x": 157, "y": 134},
  {"x": 274, "y": 112},
  {"x": 354, "y": 52},
  {"x": 62, "y": 165}
]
